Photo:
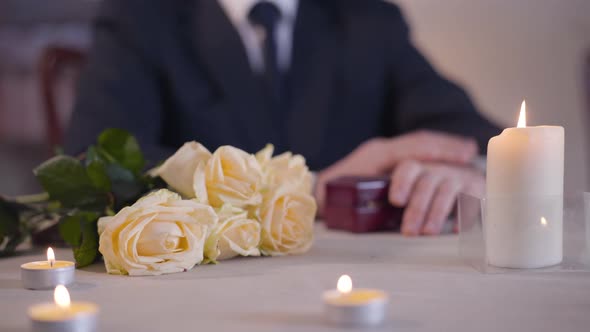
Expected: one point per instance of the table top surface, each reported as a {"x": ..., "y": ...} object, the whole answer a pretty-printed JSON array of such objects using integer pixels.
[{"x": 431, "y": 289}]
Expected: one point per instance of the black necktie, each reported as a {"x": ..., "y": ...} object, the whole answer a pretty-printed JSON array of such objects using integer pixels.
[{"x": 266, "y": 15}]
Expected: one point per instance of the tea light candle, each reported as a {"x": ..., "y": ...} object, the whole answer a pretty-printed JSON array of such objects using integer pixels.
[
  {"x": 63, "y": 315},
  {"x": 47, "y": 274},
  {"x": 524, "y": 201},
  {"x": 355, "y": 307}
]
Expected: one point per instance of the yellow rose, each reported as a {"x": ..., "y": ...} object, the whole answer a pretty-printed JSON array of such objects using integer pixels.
[
  {"x": 287, "y": 218},
  {"x": 161, "y": 233},
  {"x": 230, "y": 176},
  {"x": 179, "y": 170},
  {"x": 284, "y": 169},
  {"x": 234, "y": 235}
]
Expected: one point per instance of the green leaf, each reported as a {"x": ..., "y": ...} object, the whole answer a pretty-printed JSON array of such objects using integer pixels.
[
  {"x": 87, "y": 252},
  {"x": 125, "y": 187},
  {"x": 96, "y": 168},
  {"x": 80, "y": 231},
  {"x": 122, "y": 147},
  {"x": 92, "y": 155},
  {"x": 97, "y": 173},
  {"x": 70, "y": 230},
  {"x": 67, "y": 181}
]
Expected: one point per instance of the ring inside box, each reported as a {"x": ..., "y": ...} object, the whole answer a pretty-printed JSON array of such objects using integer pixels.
[{"x": 360, "y": 204}]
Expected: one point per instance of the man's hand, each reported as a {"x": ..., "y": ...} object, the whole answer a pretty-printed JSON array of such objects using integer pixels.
[
  {"x": 428, "y": 192},
  {"x": 381, "y": 156}
]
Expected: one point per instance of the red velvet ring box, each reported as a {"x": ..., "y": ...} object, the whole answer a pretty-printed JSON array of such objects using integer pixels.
[{"x": 360, "y": 205}]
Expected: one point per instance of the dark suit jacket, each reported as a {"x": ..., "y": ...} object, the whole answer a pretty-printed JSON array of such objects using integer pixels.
[{"x": 172, "y": 71}]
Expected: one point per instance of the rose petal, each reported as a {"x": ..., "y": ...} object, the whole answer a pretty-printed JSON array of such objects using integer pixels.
[
  {"x": 160, "y": 233},
  {"x": 178, "y": 170}
]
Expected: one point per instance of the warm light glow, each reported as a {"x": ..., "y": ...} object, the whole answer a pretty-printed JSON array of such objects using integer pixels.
[
  {"x": 61, "y": 296},
  {"x": 522, "y": 117},
  {"x": 344, "y": 284},
  {"x": 543, "y": 221},
  {"x": 50, "y": 256}
]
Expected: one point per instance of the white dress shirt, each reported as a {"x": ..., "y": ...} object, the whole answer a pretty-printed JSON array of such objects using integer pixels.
[{"x": 253, "y": 37}]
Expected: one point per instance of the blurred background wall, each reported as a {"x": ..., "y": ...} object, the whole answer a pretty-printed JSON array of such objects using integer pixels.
[
  {"x": 502, "y": 51},
  {"x": 26, "y": 28}
]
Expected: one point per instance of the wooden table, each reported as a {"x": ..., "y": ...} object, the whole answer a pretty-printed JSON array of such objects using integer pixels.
[{"x": 431, "y": 290}]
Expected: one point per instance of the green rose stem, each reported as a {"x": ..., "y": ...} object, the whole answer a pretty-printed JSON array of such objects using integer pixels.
[{"x": 32, "y": 199}]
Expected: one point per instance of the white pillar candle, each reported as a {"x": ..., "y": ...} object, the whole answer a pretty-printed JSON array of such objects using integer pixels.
[{"x": 524, "y": 201}]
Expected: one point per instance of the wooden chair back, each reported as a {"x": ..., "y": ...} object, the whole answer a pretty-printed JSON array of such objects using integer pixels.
[{"x": 54, "y": 60}]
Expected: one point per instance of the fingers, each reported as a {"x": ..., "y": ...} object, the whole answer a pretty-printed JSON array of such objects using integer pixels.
[
  {"x": 419, "y": 203},
  {"x": 432, "y": 146},
  {"x": 319, "y": 193},
  {"x": 455, "y": 149},
  {"x": 366, "y": 160},
  {"x": 402, "y": 182},
  {"x": 442, "y": 205},
  {"x": 379, "y": 155},
  {"x": 429, "y": 192}
]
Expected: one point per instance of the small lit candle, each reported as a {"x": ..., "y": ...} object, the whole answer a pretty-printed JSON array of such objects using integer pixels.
[
  {"x": 47, "y": 274},
  {"x": 355, "y": 307},
  {"x": 63, "y": 315}
]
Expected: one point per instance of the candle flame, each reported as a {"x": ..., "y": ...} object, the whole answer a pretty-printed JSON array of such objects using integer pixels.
[
  {"x": 344, "y": 284},
  {"x": 522, "y": 117},
  {"x": 61, "y": 296},
  {"x": 543, "y": 221},
  {"x": 50, "y": 256}
]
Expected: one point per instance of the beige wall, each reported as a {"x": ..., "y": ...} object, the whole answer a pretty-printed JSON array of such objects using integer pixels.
[{"x": 504, "y": 51}]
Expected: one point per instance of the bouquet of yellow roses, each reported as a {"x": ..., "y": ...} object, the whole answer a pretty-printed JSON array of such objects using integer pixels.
[{"x": 215, "y": 206}]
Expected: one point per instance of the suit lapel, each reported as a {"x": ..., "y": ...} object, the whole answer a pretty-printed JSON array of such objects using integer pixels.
[
  {"x": 219, "y": 49},
  {"x": 312, "y": 77}
]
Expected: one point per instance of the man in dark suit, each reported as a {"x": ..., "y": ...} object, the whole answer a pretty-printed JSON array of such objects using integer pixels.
[{"x": 322, "y": 78}]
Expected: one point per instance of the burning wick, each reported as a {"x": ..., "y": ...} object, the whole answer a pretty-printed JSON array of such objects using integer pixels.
[
  {"x": 344, "y": 284},
  {"x": 522, "y": 116},
  {"x": 50, "y": 257},
  {"x": 61, "y": 296},
  {"x": 543, "y": 221}
]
